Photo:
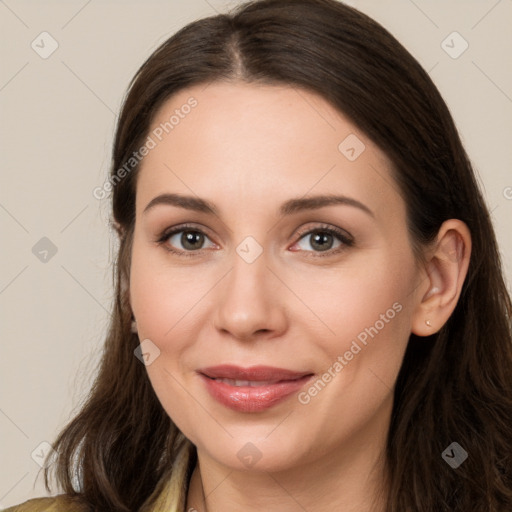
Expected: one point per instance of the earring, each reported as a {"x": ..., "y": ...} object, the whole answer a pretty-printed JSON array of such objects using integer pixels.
[
  {"x": 428, "y": 323},
  {"x": 134, "y": 325}
]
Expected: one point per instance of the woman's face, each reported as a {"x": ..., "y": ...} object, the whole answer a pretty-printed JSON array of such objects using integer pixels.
[{"x": 263, "y": 282}]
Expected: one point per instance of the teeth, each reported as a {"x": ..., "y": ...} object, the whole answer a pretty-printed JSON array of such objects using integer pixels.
[{"x": 252, "y": 383}]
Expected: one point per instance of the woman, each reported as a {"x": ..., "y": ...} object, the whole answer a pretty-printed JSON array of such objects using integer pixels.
[{"x": 310, "y": 309}]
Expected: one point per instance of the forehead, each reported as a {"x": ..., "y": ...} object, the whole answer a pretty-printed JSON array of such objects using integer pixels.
[{"x": 248, "y": 144}]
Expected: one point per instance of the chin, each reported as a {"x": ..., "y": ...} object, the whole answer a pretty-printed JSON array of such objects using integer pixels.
[{"x": 258, "y": 453}]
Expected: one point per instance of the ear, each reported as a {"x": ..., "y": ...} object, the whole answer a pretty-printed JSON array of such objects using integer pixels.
[
  {"x": 118, "y": 228},
  {"x": 446, "y": 268}
]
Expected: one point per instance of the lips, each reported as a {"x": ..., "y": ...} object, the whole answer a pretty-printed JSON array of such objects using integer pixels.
[{"x": 251, "y": 389}]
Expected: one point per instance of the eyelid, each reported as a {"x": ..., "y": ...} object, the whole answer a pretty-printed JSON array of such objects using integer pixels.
[{"x": 344, "y": 235}]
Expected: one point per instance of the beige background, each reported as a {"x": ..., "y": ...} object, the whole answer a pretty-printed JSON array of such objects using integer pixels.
[{"x": 58, "y": 118}]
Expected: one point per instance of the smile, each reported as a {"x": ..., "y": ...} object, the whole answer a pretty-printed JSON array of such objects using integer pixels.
[{"x": 263, "y": 386}]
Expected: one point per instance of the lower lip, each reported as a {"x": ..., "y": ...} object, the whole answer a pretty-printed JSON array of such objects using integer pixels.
[{"x": 253, "y": 398}]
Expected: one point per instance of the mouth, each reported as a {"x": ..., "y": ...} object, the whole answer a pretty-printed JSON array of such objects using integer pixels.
[
  {"x": 254, "y": 374},
  {"x": 252, "y": 389}
]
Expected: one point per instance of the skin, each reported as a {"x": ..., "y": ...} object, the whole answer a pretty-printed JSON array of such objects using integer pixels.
[{"x": 247, "y": 149}]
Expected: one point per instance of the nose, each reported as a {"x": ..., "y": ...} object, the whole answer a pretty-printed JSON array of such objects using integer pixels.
[{"x": 251, "y": 301}]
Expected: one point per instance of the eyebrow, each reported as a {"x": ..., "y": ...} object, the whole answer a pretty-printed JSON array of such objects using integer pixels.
[{"x": 287, "y": 208}]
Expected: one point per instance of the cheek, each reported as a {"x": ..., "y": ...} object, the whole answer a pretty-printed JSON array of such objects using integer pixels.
[
  {"x": 367, "y": 309},
  {"x": 163, "y": 297},
  {"x": 163, "y": 301},
  {"x": 362, "y": 300}
]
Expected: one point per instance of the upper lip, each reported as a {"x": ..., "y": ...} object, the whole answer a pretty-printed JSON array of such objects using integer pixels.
[{"x": 253, "y": 373}]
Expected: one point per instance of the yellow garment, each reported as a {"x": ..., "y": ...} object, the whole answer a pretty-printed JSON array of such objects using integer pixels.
[
  {"x": 63, "y": 503},
  {"x": 59, "y": 503},
  {"x": 166, "y": 494}
]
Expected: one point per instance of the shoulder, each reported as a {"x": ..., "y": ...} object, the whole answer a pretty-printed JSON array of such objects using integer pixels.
[{"x": 61, "y": 503}]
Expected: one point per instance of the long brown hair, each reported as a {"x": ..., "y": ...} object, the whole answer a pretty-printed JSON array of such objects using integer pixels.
[{"x": 453, "y": 387}]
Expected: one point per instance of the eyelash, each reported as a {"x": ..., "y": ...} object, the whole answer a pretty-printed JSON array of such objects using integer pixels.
[{"x": 342, "y": 236}]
